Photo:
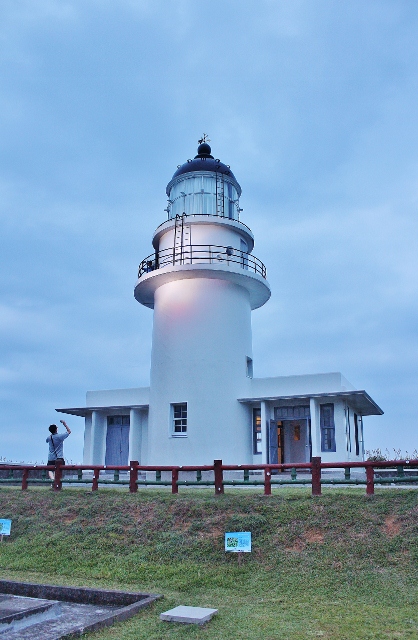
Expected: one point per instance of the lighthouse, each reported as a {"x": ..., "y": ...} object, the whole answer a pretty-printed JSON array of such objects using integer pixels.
[{"x": 202, "y": 281}]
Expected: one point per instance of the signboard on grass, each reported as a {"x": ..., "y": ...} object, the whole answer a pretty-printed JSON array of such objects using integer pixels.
[
  {"x": 5, "y": 526},
  {"x": 238, "y": 541}
]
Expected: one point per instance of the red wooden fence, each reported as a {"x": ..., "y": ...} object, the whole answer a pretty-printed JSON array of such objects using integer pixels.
[{"x": 312, "y": 475}]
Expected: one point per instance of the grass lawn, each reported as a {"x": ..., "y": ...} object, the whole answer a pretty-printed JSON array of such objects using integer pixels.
[{"x": 342, "y": 566}]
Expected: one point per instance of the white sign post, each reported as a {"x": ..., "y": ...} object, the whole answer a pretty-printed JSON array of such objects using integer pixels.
[{"x": 5, "y": 526}]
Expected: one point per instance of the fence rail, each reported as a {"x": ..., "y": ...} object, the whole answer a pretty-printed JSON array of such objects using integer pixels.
[{"x": 136, "y": 475}]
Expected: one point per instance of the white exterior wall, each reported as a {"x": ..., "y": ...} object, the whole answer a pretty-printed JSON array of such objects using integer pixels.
[
  {"x": 135, "y": 435},
  {"x": 201, "y": 339},
  {"x": 118, "y": 397},
  {"x": 303, "y": 385}
]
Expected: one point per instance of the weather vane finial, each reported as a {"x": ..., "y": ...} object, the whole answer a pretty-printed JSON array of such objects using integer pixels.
[{"x": 204, "y": 138}]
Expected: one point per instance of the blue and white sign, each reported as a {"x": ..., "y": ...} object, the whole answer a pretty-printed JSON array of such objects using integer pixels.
[
  {"x": 5, "y": 526},
  {"x": 238, "y": 541}
]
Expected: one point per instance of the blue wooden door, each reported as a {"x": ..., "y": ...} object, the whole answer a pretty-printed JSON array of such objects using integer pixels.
[{"x": 117, "y": 440}]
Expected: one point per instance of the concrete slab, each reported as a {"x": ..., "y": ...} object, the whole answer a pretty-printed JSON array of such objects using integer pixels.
[
  {"x": 49, "y": 612},
  {"x": 188, "y": 615}
]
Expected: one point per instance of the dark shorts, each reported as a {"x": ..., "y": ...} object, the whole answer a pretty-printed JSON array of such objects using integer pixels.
[{"x": 56, "y": 460}]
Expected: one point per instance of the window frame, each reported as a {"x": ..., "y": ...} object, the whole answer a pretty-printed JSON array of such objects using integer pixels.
[
  {"x": 357, "y": 433},
  {"x": 179, "y": 420},
  {"x": 119, "y": 420},
  {"x": 249, "y": 367},
  {"x": 328, "y": 442},
  {"x": 257, "y": 434}
]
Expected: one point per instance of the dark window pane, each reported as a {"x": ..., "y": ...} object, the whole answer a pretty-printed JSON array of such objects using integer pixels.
[{"x": 327, "y": 427}]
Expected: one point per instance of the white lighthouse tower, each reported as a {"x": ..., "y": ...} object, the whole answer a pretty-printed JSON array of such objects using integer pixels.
[{"x": 202, "y": 282}]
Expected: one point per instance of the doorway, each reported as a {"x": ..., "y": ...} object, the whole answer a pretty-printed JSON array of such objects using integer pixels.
[
  {"x": 297, "y": 444},
  {"x": 117, "y": 440},
  {"x": 289, "y": 441}
]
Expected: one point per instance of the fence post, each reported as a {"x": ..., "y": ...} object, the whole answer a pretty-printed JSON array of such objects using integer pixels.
[
  {"x": 219, "y": 477},
  {"x": 133, "y": 476},
  {"x": 267, "y": 481},
  {"x": 25, "y": 479},
  {"x": 95, "y": 483},
  {"x": 174, "y": 478},
  {"x": 369, "y": 480},
  {"x": 57, "y": 476},
  {"x": 316, "y": 476}
]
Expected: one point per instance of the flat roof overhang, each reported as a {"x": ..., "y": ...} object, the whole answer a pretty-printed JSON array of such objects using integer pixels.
[
  {"x": 361, "y": 402},
  {"x": 85, "y": 411}
]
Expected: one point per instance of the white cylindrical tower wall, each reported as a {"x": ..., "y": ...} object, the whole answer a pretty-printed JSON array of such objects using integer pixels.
[{"x": 201, "y": 342}]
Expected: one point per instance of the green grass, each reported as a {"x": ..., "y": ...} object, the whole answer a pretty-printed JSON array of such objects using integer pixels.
[{"x": 341, "y": 566}]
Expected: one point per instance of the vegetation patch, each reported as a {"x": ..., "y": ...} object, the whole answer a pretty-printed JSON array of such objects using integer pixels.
[{"x": 340, "y": 566}]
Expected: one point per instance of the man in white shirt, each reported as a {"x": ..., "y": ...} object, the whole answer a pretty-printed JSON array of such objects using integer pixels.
[{"x": 56, "y": 445}]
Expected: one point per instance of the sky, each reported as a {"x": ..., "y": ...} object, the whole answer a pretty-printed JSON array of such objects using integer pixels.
[{"x": 313, "y": 104}]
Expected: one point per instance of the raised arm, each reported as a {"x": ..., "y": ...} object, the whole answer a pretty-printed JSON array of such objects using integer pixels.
[{"x": 66, "y": 426}]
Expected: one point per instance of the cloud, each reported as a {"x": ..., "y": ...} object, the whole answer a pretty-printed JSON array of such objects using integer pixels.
[{"x": 313, "y": 106}]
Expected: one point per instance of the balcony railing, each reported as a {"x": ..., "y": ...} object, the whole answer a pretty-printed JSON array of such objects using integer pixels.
[{"x": 201, "y": 254}]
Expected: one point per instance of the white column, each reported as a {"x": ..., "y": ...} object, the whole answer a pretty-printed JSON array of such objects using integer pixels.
[
  {"x": 135, "y": 435},
  {"x": 315, "y": 435},
  {"x": 87, "y": 440},
  {"x": 98, "y": 438},
  {"x": 264, "y": 433}
]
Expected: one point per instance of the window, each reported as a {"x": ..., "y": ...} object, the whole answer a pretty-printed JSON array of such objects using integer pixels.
[
  {"x": 118, "y": 420},
  {"x": 257, "y": 430},
  {"x": 179, "y": 420},
  {"x": 327, "y": 427},
  {"x": 291, "y": 413},
  {"x": 249, "y": 367},
  {"x": 356, "y": 434}
]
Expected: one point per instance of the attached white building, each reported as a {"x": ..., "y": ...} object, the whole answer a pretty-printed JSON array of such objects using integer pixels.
[{"x": 203, "y": 403}]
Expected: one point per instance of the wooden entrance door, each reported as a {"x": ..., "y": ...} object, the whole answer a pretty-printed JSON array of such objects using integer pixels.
[
  {"x": 276, "y": 442},
  {"x": 117, "y": 440}
]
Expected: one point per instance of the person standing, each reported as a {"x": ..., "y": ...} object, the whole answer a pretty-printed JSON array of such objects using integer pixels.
[{"x": 56, "y": 445}]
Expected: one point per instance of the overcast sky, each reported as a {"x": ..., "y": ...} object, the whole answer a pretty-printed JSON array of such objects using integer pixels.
[{"x": 313, "y": 104}]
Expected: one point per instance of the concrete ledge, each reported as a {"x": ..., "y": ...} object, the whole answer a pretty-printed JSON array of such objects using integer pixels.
[{"x": 80, "y": 609}]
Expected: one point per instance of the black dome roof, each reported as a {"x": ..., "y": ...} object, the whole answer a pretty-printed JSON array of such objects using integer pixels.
[{"x": 204, "y": 161}]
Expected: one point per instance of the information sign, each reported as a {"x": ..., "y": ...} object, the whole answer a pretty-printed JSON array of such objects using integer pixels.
[
  {"x": 5, "y": 526},
  {"x": 238, "y": 541}
]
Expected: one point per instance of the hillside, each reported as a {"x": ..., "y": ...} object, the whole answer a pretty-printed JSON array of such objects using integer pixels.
[{"x": 338, "y": 566}]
